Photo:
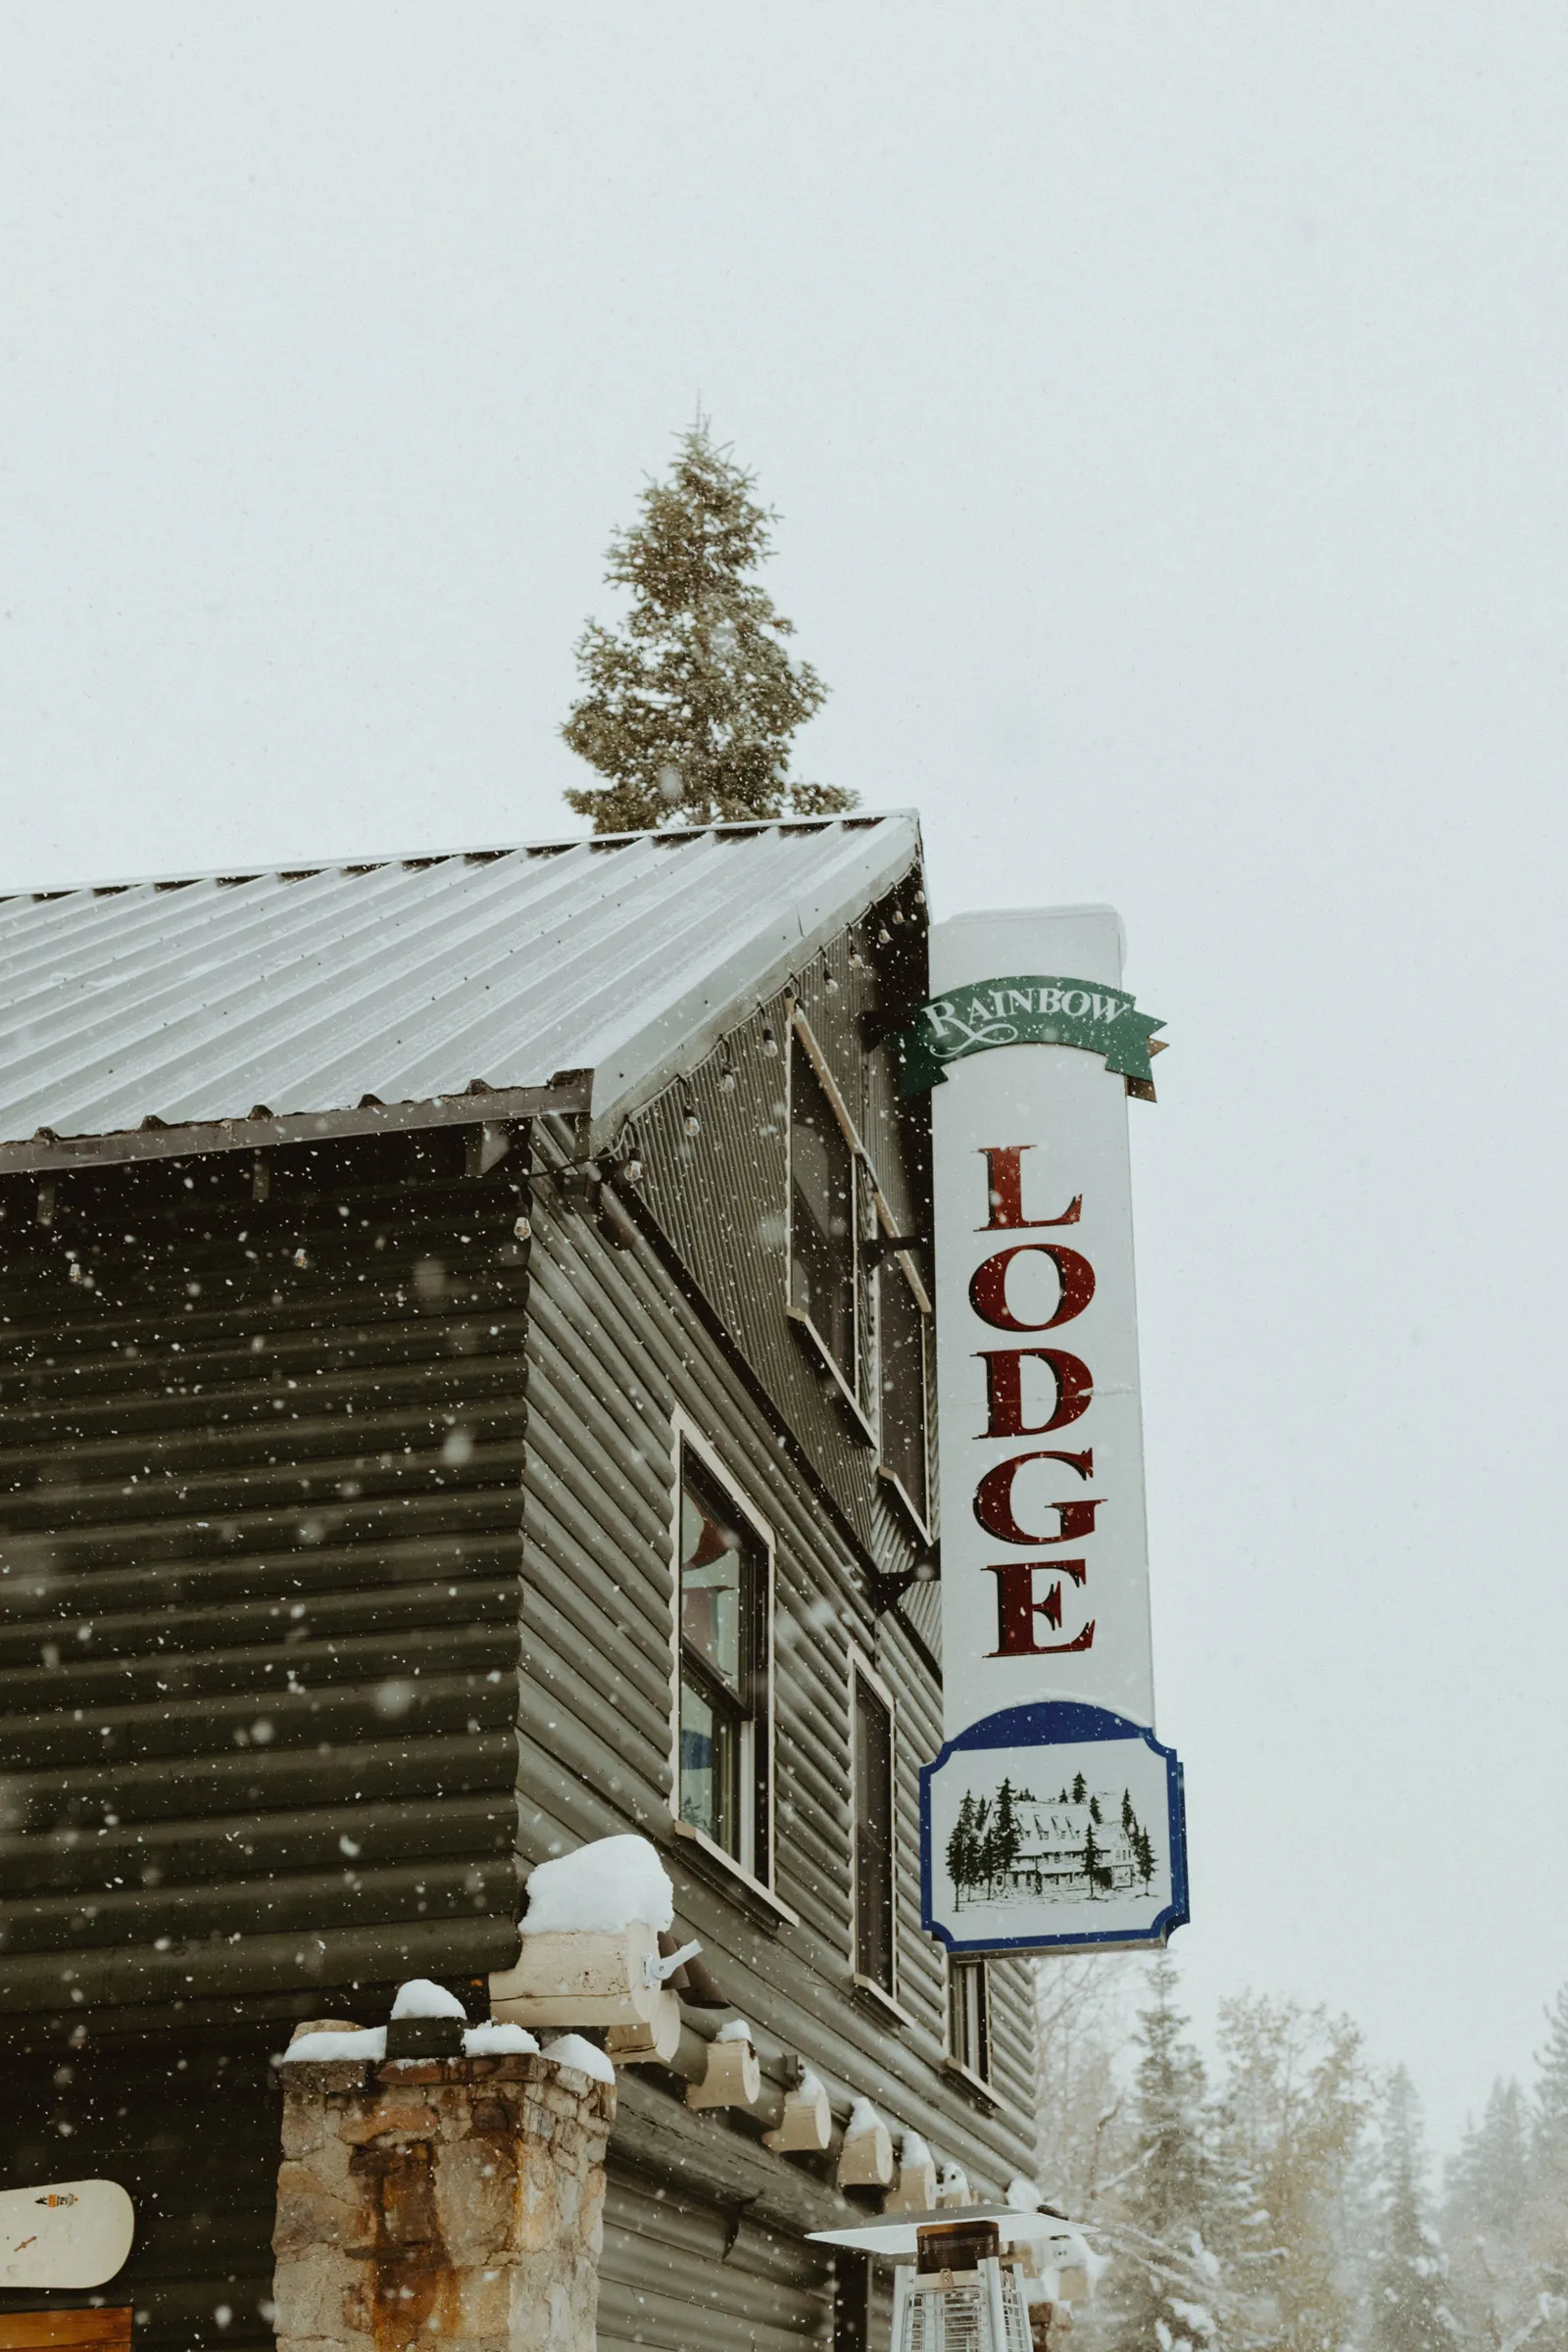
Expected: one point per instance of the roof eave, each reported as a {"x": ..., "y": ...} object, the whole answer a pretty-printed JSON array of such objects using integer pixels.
[{"x": 568, "y": 1093}]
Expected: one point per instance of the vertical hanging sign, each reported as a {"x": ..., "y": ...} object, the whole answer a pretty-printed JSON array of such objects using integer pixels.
[{"x": 1052, "y": 1818}]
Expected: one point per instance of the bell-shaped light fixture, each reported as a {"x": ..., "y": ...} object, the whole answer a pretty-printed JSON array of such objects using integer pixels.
[{"x": 964, "y": 2289}]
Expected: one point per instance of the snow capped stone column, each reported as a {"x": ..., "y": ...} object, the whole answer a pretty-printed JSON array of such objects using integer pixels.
[{"x": 451, "y": 2201}]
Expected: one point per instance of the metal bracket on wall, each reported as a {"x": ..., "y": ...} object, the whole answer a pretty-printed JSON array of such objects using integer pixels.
[
  {"x": 888, "y": 1245},
  {"x": 887, "y": 1589},
  {"x": 735, "y": 2212}
]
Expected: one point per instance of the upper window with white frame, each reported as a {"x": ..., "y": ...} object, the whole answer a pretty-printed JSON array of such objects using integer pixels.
[
  {"x": 903, "y": 1371},
  {"x": 726, "y": 1607},
  {"x": 823, "y": 1262}
]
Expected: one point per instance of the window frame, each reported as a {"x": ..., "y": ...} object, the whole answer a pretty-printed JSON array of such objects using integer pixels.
[
  {"x": 862, "y": 1671},
  {"x": 799, "y": 1032},
  {"x": 687, "y": 1440},
  {"x": 955, "y": 2062},
  {"x": 906, "y": 1272}
]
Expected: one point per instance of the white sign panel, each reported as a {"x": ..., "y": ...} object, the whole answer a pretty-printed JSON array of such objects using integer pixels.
[
  {"x": 64, "y": 2233},
  {"x": 1028, "y": 1041}
]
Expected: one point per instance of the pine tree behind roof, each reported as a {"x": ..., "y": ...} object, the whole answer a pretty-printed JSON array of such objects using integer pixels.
[{"x": 689, "y": 709}]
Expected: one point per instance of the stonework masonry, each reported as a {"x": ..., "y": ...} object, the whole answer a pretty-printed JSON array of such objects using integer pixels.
[{"x": 455, "y": 2203}]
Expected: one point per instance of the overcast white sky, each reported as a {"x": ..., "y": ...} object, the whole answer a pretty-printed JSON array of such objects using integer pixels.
[{"x": 1166, "y": 408}]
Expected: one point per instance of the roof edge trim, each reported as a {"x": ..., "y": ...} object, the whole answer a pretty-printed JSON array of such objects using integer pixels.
[
  {"x": 569, "y": 1092},
  {"x": 265, "y": 870}
]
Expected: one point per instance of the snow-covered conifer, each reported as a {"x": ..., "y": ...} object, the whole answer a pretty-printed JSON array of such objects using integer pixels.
[
  {"x": 1408, "y": 2309},
  {"x": 689, "y": 709}
]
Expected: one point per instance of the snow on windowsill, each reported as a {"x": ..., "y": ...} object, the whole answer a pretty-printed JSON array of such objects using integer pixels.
[{"x": 764, "y": 1896}]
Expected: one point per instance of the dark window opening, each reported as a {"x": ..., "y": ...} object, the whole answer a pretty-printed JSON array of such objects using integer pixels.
[
  {"x": 723, "y": 1671},
  {"x": 851, "y": 2301},
  {"x": 822, "y": 1275},
  {"x": 902, "y": 1373},
  {"x": 969, "y": 2017},
  {"x": 873, "y": 1836}
]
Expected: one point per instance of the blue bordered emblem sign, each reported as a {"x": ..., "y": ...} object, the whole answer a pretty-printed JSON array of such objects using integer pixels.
[{"x": 1053, "y": 1828}]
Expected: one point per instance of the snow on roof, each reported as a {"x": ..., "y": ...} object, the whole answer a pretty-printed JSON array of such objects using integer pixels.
[
  {"x": 205, "y": 1001},
  {"x": 604, "y": 1887}
]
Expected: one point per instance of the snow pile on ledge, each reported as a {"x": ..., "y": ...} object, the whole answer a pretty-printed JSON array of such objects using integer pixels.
[
  {"x": 602, "y": 1887},
  {"x": 810, "y": 2085},
  {"x": 737, "y": 2030},
  {"x": 320, "y": 2049},
  {"x": 571, "y": 2050},
  {"x": 864, "y": 2117},
  {"x": 496, "y": 2040},
  {"x": 419, "y": 1997},
  {"x": 1023, "y": 2195},
  {"x": 912, "y": 2150}
]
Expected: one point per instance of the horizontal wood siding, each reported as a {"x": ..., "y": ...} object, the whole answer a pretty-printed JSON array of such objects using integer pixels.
[
  {"x": 615, "y": 1352},
  {"x": 687, "y": 2275},
  {"x": 187, "y": 2121},
  {"x": 259, "y": 1575},
  {"x": 720, "y": 1194}
]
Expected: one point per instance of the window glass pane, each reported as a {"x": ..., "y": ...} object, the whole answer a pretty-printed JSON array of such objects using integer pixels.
[
  {"x": 901, "y": 1328},
  {"x": 821, "y": 1214},
  {"x": 724, "y": 1681},
  {"x": 709, "y": 1793},
  {"x": 969, "y": 2017},
  {"x": 873, "y": 1836},
  {"x": 713, "y": 1586}
]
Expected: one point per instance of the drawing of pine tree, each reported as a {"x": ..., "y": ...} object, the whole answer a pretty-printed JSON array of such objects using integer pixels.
[
  {"x": 963, "y": 1848},
  {"x": 1144, "y": 1852}
]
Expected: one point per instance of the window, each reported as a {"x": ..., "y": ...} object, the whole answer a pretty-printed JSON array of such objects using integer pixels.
[
  {"x": 874, "y": 1955},
  {"x": 851, "y": 2301},
  {"x": 724, "y": 1643},
  {"x": 901, "y": 1360},
  {"x": 969, "y": 2018},
  {"x": 822, "y": 1204}
]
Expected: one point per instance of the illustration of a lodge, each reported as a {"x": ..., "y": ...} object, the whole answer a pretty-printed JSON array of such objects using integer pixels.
[{"x": 1013, "y": 1845}]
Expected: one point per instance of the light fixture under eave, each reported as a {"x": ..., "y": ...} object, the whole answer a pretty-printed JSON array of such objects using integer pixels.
[{"x": 958, "y": 2296}]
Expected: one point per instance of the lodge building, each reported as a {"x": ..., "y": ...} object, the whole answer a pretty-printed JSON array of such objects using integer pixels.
[{"x": 466, "y": 1372}]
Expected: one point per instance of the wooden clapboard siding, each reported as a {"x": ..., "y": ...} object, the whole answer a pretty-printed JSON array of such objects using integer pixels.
[
  {"x": 248, "y": 1605},
  {"x": 679, "y": 2272},
  {"x": 185, "y": 2118},
  {"x": 643, "y": 1357},
  {"x": 720, "y": 1196}
]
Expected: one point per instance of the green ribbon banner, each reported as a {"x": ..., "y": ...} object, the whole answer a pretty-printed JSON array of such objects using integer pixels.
[{"x": 1025, "y": 1009}]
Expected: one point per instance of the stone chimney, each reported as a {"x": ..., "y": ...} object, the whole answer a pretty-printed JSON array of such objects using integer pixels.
[{"x": 440, "y": 2202}]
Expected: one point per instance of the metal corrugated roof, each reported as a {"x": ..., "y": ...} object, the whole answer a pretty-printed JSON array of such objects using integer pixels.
[{"x": 189, "y": 1002}]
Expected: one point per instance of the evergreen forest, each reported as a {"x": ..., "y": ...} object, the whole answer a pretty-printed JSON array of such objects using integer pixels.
[{"x": 1280, "y": 2195}]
